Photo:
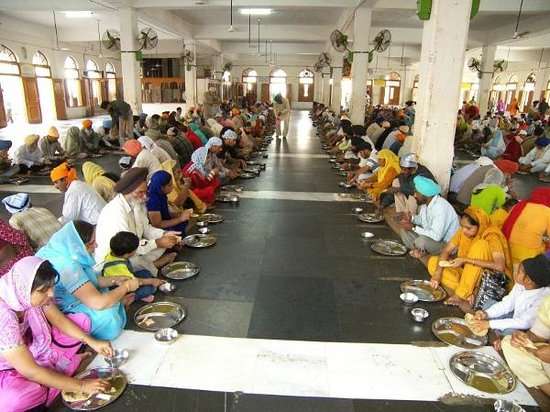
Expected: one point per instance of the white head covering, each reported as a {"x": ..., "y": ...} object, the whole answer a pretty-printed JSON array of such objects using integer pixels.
[
  {"x": 146, "y": 142},
  {"x": 484, "y": 161},
  {"x": 408, "y": 160},
  {"x": 17, "y": 203},
  {"x": 125, "y": 162},
  {"x": 229, "y": 135},
  {"x": 198, "y": 158},
  {"x": 214, "y": 141}
]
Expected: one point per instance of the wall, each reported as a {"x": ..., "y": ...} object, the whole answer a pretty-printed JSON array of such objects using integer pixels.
[{"x": 24, "y": 39}]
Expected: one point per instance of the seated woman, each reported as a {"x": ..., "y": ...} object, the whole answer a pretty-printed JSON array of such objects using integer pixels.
[
  {"x": 198, "y": 132},
  {"x": 158, "y": 211},
  {"x": 14, "y": 245},
  {"x": 495, "y": 145},
  {"x": 527, "y": 224},
  {"x": 477, "y": 245},
  {"x": 203, "y": 184},
  {"x": 491, "y": 199},
  {"x": 388, "y": 169},
  {"x": 73, "y": 145},
  {"x": 80, "y": 289},
  {"x": 214, "y": 164},
  {"x": 181, "y": 190},
  {"x": 101, "y": 181},
  {"x": 38, "y": 343}
]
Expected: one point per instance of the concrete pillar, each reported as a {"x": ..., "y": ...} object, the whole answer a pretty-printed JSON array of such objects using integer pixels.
[
  {"x": 131, "y": 81},
  {"x": 326, "y": 89},
  {"x": 541, "y": 81},
  {"x": 317, "y": 87},
  {"x": 337, "y": 87},
  {"x": 441, "y": 67},
  {"x": 361, "y": 30},
  {"x": 486, "y": 78},
  {"x": 191, "y": 77}
]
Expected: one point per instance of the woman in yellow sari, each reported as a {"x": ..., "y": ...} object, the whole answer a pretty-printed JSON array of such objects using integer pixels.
[
  {"x": 180, "y": 192},
  {"x": 95, "y": 176},
  {"x": 477, "y": 245},
  {"x": 388, "y": 170}
]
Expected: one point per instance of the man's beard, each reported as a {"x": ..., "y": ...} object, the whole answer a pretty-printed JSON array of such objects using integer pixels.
[{"x": 135, "y": 202}]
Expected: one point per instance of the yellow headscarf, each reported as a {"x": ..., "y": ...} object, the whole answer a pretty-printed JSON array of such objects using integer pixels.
[
  {"x": 91, "y": 171},
  {"x": 392, "y": 162},
  {"x": 31, "y": 139},
  {"x": 169, "y": 166}
]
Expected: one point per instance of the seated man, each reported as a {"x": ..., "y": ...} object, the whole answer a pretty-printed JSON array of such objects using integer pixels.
[
  {"x": 7, "y": 170},
  {"x": 528, "y": 353},
  {"x": 435, "y": 223},
  {"x": 538, "y": 158},
  {"x": 38, "y": 223},
  {"x": 127, "y": 213},
  {"x": 51, "y": 148},
  {"x": 108, "y": 141},
  {"x": 142, "y": 157},
  {"x": 363, "y": 150},
  {"x": 90, "y": 140},
  {"x": 28, "y": 156},
  {"x": 81, "y": 201},
  {"x": 402, "y": 191}
]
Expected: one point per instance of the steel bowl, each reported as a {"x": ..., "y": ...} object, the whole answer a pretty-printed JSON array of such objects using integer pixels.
[
  {"x": 202, "y": 223},
  {"x": 419, "y": 314},
  {"x": 408, "y": 298},
  {"x": 203, "y": 230},
  {"x": 167, "y": 287},
  {"x": 119, "y": 358},
  {"x": 166, "y": 335},
  {"x": 357, "y": 210},
  {"x": 507, "y": 406},
  {"x": 367, "y": 235}
]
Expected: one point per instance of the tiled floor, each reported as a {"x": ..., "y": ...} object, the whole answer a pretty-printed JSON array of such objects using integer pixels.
[{"x": 293, "y": 270}]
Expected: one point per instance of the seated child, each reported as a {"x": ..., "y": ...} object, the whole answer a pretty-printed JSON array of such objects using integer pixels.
[
  {"x": 518, "y": 309},
  {"x": 117, "y": 263}
]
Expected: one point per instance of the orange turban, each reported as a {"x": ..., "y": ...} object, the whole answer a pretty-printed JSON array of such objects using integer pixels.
[
  {"x": 87, "y": 123},
  {"x": 132, "y": 147},
  {"x": 507, "y": 166},
  {"x": 62, "y": 171}
]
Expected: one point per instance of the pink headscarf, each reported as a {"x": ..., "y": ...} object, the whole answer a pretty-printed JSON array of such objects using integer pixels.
[{"x": 15, "y": 296}]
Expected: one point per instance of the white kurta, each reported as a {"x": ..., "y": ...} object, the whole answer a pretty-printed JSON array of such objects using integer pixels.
[
  {"x": 119, "y": 216},
  {"x": 82, "y": 202}
]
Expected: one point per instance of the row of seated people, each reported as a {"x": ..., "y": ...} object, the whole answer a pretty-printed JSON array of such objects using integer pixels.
[
  {"x": 66, "y": 282},
  {"x": 481, "y": 231}
]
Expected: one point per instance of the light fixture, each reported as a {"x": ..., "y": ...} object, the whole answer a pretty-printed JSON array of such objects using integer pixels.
[
  {"x": 83, "y": 14},
  {"x": 256, "y": 12}
]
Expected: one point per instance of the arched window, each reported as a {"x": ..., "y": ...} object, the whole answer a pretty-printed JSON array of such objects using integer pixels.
[
  {"x": 528, "y": 91},
  {"x": 392, "y": 76},
  {"x": 277, "y": 83},
  {"x": 110, "y": 71},
  {"x": 8, "y": 61},
  {"x": 110, "y": 74},
  {"x": 92, "y": 70},
  {"x": 41, "y": 65},
  {"x": 250, "y": 77},
  {"x": 305, "y": 80},
  {"x": 73, "y": 92}
]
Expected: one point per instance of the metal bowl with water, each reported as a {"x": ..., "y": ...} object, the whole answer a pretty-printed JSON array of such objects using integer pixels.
[
  {"x": 167, "y": 287},
  {"x": 119, "y": 358},
  {"x": 419, "y": 314},
  {"x": 408, "y": 298},
  {"x": 166, "y": 335}
]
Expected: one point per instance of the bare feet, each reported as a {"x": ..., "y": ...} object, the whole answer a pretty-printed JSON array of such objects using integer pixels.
[
  {"x": 164, "y": 260},
  {"x": 148, "y": 299},
  {"x": 417, "y": 253}
]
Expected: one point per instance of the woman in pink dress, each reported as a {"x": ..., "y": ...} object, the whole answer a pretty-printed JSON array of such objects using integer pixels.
[{"x": 38, "y": 343}]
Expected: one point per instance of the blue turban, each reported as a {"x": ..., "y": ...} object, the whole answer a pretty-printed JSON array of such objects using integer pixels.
[
  {"x": 107, "y": 124},
  {"x": 426, "y": 187},
  {"x": 5, "y": 144},
  {"x": 542, "y": 141}
]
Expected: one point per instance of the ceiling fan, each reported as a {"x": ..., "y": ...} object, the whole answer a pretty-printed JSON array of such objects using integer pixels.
[{"x": 517, "y": 34}]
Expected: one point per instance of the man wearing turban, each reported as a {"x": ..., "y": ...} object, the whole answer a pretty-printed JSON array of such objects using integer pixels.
[
  {"x": 51, "y": 148},
  {"x": 28, "y": 156},
  {"x": 89, "y": 138}
]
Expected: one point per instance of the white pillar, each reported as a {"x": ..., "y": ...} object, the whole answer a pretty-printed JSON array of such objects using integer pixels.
[
  {"x": 191, "y": 77},
  {"x": 337, "y": 87},
  {"x": 317, "y": 87},
  {"x": 326, "y": 89},
  {"x": 541, "y": 81},
  {"x": 441, "y": 66},
  {"x": 131, "y": 81},
  {"x": 486, "y": 78},
  {"x": 361, "y": 30}
]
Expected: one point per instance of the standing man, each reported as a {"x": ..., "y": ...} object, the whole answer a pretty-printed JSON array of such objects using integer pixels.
[
  {"x": 123, "y": 121},
  {"x": 281, "y": 106},
  {"x": 211, "y": 102}
]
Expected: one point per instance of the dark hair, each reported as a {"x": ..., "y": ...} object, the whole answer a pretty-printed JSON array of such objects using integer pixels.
[
  {"x": 85, "y": 230},
  {"x": 46, "y": 276},
  {"x": 123, "y": 243},
  {"x": 155, "y": 117},
  {"x": 178, "y": 108},
  {"x": 470, "y": 219},
  {"x": 104, "y": 104}
]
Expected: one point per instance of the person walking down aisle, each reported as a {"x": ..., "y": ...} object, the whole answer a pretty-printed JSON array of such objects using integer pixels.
[{"x": 281, "y": 106}]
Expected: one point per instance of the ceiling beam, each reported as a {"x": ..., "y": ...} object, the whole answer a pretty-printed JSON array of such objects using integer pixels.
[
  {"x": 495, "y": 6},
  {"x": 186, "y": 4}
]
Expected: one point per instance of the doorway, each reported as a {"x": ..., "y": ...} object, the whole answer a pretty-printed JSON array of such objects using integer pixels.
[
  {"x": 14, "y": 99},
  {"x": 47, "y": 101}
]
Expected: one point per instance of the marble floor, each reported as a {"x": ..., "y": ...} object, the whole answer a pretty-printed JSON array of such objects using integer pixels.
[{"x": 291, "y": 310}]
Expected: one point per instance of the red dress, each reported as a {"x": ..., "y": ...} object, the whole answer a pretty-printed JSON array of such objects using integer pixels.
[
  {"x": 202, "y": 187},
  {"x": 194, "y": 139}
]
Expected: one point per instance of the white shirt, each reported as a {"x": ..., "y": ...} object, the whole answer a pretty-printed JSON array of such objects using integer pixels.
[
  {"x": 23, "y": 156},
  {"x": 437, "y": 220},
  {"x": 119, "y": 216},
  {"x": 521, "y": 305},
  {"x": 460, "y": 176},
  {"x": 147, "y": 159},
  {"x": 82, "y": 202},
  {"x": 536, "y": 156}
]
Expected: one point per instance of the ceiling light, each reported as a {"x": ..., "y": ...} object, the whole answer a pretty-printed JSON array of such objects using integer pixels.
[
  {"x": 78, "y": 14},
  {"x": 256, "y": 12}
]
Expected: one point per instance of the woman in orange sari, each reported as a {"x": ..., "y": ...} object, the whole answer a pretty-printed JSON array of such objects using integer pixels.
[
  {"x": 477, "y": 245},
  {"x": 388, "y": 170}
]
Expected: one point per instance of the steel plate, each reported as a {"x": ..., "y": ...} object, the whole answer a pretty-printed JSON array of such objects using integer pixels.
[
  {"x": 388, "y": 247},
  {"x": 210, "y": 218},
  {"x": 370, "y": 217},
  {"x": 199, "y": 240},
  {"x": 116, "y": 378},
  {"x": 180, "y": 270},
  {"x": 455, "y": 332},
  {"x": 227, "y": 198},
  {"x": 247, "y": 175},
  {"x": 159, "y": 315},
  {"x": 423, "y": 290},
  {"x": 232, "y": 188},
  {"x": 483, "y": 372}
]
